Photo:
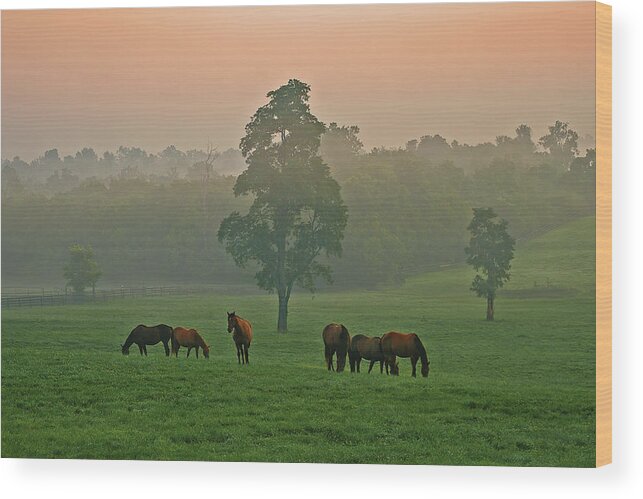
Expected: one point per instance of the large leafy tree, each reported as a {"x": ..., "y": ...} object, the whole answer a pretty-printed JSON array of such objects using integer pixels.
[
  {"x": 82, "y": 270},
  {"x": 490, "y": 252},
  {"x": 298, "y": 214}
]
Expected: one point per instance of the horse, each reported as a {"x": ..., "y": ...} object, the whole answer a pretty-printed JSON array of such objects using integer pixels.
[
  {"x": 363, "y": 347},
  {"x": 336, "y": 341},
  {"x": 146, "y": 335},
  {"x": 242, "y": 335},
  {"x": 190, "y": 338},
  {"x": 403, "y": 345}
]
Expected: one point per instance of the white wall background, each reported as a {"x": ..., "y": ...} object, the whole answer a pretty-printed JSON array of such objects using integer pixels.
[{"x": 106, "y": 479}]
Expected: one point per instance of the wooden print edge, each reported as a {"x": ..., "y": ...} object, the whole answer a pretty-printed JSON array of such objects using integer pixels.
[{"x": 603, "y": 234}]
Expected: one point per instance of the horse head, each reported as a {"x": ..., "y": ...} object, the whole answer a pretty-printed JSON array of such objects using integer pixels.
[
  {"x": 124, "y": 350},
  {"x": 395, "y": 368},
  {"x": 232, "y": 321},
  {"x": 206, "y": 351},
  {"x": 425, "y": 369}
]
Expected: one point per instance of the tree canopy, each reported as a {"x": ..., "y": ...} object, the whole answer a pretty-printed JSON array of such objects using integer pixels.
[{"x": 82, "y": 270}]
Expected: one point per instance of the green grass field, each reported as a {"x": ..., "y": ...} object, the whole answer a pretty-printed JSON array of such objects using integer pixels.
[{"x": 517, "y": 392}]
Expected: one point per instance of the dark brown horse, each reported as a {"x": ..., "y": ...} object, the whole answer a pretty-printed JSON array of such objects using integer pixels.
[
  {"x": 336, "y": 341},
  {"x": 190, "y": 338},
  {"x": 241, "y": 331},
  {"x": 403, "y": 345},
  {"x": 363, "y": 347},
  {"x": 146, "y": 335}
]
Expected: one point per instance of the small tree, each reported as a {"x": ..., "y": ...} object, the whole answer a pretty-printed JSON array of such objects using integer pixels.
[
  {"x": 82, "y": 270},
  {"x": 490, "y": 252}
]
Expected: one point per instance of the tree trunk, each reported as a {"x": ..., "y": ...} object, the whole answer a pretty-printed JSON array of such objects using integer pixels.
[
  {"x": 490, "y": 308},
  {"x": 282, "y": 321}
]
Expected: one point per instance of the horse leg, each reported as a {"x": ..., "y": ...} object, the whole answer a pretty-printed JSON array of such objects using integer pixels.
[
  {"x": 370, "y": 367},
  {"x": 246, "y": 349},
  {"x": 238, "y": 355},
  {"x": 414, "y": 361},
  {"x": 327, "y": 354},
  {"x": 167, "y": 349},
  {"x": 359, "y": 361},
  {"x": 382, "y": 367},
  {"x": 196, "y": 349},
  {"x": 140, "y": 349},
  {"x": 145, "y": 349}
]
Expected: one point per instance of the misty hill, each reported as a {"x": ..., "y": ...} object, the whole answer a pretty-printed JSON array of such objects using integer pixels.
[
  {"x": 556, "y": 264},
  {"x": 407, "y": 214}
]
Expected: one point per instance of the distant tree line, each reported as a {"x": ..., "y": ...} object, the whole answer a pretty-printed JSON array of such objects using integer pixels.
[
  {"x": 52, "y": 174},
  {"x": 409, "y": 207},
  {"x": 153, "y": 218}
]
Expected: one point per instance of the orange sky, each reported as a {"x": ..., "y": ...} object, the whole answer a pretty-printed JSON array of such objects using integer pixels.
[{"x": 186, "y": 76}]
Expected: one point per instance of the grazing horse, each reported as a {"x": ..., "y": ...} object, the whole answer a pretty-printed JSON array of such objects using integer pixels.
[
  {"x": 183, "y": 337},
  {"x": 145, "y": 335},
  {"x": 363, "y": 347},
  {"x": 242, "y": 335},
  {"x": 403, "y": 345},
  {"x": 336, "y": 340}
]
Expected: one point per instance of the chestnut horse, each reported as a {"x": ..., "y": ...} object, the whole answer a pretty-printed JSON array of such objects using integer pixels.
[
  {"x": 363, "y": 347},
  {"x": 183, "y": 337},
  {"x": 336, "y": 340},
  {"x": 145, "y": 335},
  {"x": 242, "y": 335},
  {"x": 403, "y": 345}
]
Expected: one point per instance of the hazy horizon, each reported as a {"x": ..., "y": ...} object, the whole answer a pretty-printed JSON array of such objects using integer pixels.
[{"x": 102, "y": 78}]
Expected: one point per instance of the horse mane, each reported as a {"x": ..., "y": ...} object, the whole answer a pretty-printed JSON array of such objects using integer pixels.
[
  {"x": 129, "y": 340},
  {"x": 422, "y": 350}
]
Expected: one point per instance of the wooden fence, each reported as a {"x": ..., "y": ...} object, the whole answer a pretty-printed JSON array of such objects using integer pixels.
[{"x": 46, "y": 298}]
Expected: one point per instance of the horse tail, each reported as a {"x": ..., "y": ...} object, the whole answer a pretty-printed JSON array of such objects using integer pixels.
[
  {"x": 421, "y": 350},
  {"x": 345, "y": 334},
  {"x": 172, "y": 340}
]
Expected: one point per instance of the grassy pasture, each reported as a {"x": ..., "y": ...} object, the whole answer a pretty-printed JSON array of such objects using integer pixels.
[{"x": 517, "y": 392}]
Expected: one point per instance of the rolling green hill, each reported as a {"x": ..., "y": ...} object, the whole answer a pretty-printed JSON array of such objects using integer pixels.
[{"x": 518, "y": 391}]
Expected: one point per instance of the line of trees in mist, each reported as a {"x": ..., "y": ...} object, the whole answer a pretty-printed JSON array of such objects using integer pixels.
[
  {"x": 51, "y": 174},
  {"x": 153, "y": 218}
]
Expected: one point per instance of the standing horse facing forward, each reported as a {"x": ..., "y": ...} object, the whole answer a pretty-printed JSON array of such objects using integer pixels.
[
  {"x": 336, "y": 341},
  {"x": 403, "y": 345},
  {"x": 363, "y": 347},
  {"x": 146, "y": 335},
  {"x": 241, "y": 331},
  {"x": 190, "y": 338}
]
